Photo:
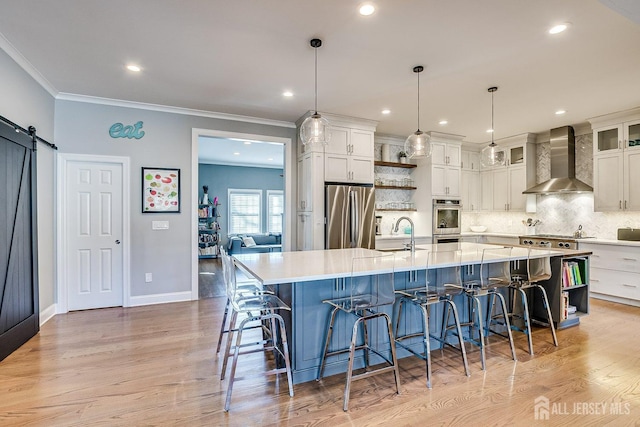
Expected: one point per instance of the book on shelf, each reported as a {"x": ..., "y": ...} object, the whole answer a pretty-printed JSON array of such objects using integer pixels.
[
  {"x": 564, "y": 312},
  {"x": 571, "y": 275}
]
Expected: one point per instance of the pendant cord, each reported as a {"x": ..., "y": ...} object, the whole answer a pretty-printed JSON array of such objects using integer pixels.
[
  {"x": 316, "y": 81},
  {"x": 492, "y": 128},
  {"x": 418, "y": 101}
]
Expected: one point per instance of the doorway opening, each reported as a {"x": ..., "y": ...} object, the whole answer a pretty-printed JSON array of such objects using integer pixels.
[{"x": 241, "y": 186}]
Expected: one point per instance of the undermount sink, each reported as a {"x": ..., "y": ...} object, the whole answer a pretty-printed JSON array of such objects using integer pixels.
[{"x": 397, "y": 249}]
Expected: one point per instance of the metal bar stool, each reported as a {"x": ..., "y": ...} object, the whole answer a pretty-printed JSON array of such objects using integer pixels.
[
  {"x": 538, "y": 270},
  {"x": 246, "y": 287},
  {"x": 261, "y": 308},
  {"x": 495, "y": 273},
  {"x": 368, "y": 290},
  {"x": 429, "y": 294}
]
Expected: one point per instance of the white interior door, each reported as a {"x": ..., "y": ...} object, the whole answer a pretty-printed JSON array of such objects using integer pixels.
[{"x": 93, "y": 224}]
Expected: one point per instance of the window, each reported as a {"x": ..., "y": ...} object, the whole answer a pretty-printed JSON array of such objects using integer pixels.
[
  {"x": 275, "y": 209},
  {"x": 244, "y": 211}
]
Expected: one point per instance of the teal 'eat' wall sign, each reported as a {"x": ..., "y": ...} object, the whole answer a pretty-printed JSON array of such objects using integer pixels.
[{"x": 118, "y": 130}]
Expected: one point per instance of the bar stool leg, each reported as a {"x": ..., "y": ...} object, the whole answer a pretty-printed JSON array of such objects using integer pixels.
[
  {"x": 366, "y": 342},
  {"x": 227, "y": 351},
  {"x": 327, "y": 342},
  {"x": 527, "y": 319},
  {"x": 394, "y": 357},
  {"x": 352, "y": 351},
  {"x": 285, "y": 350},
  {"x": 400, "y": 304},
  {"x": 478, "y": 312},
  {"x": 549, "y": 318},
  {"x": 234, "y": 363},
  {"x": 505, "y": 315},
  {"x": 427, "y": 342},
  {"x": 460, "y": 338},
  {"x": 224, "y": 321}
]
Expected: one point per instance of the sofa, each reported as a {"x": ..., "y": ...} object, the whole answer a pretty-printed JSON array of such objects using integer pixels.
[{"x": 263, "y": 243}]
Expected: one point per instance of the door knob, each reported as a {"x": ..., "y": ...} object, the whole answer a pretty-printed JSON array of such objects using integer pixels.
[{"x": 117, "y": 242}]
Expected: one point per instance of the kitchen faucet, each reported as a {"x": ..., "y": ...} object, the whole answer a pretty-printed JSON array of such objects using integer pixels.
[{"x": 412, "y": 245}]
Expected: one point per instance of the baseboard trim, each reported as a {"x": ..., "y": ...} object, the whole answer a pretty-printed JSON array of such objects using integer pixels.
[
  {"x": 612, "y": 298},
  {"x": 47, "y": 314},
  {"x": 139, "y": 300}
]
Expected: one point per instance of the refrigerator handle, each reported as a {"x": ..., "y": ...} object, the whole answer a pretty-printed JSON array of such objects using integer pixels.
[{"x": 355, "y": 218}]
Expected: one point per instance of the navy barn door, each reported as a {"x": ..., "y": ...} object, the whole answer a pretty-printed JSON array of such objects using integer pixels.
[{"x": 19, "y": 311}]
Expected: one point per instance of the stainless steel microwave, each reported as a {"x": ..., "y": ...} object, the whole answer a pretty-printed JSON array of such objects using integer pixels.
[{"x": 447, "y": 216}]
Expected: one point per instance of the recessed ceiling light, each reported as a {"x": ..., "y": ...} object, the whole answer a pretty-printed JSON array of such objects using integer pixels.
[
  {"x": 386, "y": 111},
  {"x": 270, "y": 159},
  {"x": 288, "y": 94},
  {"x": 560, "y": 112},
  {"x": 558, "y": 28},
  {"x": 366, "y": 9},
  {"x": 134, "y": 68},
  {"x": 443, "y": 122},
  {"x": 236, "y": 154},
  {"x": 247, "y": 143},
  {"x": 489, "y": 130}
]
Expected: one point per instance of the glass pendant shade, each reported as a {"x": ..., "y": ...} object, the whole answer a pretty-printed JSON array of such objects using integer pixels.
[
  {"x": 315, "y": 129},
  {"x": 418, "y": 144},
  {"x": 492, "y": 155}
]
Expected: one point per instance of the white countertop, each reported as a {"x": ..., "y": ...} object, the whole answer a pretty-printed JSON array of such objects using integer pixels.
[{"x": 301, "y": 266}]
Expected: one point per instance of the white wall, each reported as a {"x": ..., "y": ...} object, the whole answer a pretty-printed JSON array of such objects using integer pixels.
[
  {"x": 26, "y": 103},
  {"x": 83, "y": 128}
]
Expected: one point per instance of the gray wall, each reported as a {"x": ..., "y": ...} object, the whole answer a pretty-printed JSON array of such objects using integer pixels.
[
  {"x": 26, "y": 103},
  {"x": 82, "y": 128},
  {"x": 220, "y": 178}
]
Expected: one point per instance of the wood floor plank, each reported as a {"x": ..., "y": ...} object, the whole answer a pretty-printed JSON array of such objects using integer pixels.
[{"x": 156, "y": 365}]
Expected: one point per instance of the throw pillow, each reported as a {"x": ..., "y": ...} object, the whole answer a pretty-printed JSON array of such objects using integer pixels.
[{"x": 248, "y": 242}]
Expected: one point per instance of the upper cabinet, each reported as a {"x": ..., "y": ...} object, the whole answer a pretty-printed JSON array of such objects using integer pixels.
[
  {"x": 446, "y": 154},
  {"x": 470, "y": 160},
  {"x": 616, "y": 162},
  {"x": 349, "y": 156},
  {"x": 502, "y": 185}
]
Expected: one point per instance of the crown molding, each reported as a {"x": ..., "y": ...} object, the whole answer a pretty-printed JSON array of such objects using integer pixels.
[
  {"x": 26, "y": 65},
  {"x": 63, "y": 96}
]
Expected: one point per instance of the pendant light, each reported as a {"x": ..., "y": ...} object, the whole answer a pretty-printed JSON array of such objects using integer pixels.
[
  {"x": 492, "y": 155},
  {"x": 418, "y": 144},
  {"x": 315, "y": 128}
]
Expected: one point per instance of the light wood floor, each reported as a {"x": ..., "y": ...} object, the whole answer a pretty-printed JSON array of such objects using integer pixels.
[{"x": 156, "y": 365}]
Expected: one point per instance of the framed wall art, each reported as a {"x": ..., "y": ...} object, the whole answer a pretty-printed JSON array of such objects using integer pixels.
[{"x": 160, "y": 190}]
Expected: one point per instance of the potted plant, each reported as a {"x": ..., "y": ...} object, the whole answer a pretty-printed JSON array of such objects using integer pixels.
[{"x": 402, "y": 156}]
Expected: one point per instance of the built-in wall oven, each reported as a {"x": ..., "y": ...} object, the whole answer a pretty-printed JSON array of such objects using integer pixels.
[{"x": 447, "y": 217}]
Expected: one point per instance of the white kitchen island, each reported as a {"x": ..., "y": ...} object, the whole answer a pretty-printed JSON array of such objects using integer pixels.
[{"x": 304, "y": 279}]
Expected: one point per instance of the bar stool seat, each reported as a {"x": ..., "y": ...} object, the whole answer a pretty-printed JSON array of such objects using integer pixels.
[
  {"x": 537, "y": 270},
  {"x": 426, "y": 296},
  {"x": 368, "y": 291},
  {"x": 261, "y": 311},
  {"x": 495, "y": 274}
]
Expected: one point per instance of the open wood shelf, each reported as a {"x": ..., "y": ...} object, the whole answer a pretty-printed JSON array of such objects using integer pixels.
[
  {"x": 394, "y": 164},
  {"x": 392, "y": 210}
]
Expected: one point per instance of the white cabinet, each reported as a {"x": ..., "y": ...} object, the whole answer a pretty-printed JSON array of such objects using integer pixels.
[
  {"x": 470, "y": 190},
  {"x": 445, "y": 181},
  {"x": 616, "y": 159},
  {"x": 502, "y": 185},
  {"x": 615, "y": 272},
  {"x": 446, "y": 154},
  {"x": 310, "y": 182},
  {"x": 340, "y": 168},
  {"x": 304, "y": 231},
  {"x": 470, "y": 160},
  {"x": 349, "y": 156},
  {"x": 445, "y": 168}
]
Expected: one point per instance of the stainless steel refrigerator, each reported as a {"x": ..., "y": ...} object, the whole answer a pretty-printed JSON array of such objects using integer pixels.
[{"x": 350, "y": 217}]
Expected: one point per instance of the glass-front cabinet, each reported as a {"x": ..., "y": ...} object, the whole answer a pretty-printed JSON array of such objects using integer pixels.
[{"x": 617, "y": 137}]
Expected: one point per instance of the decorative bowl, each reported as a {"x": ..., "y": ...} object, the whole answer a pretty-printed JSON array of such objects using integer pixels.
[{"x": 478, "y": 228}]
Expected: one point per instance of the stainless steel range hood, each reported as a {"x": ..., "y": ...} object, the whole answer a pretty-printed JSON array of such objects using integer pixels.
[{"x": 563, "y": 166}]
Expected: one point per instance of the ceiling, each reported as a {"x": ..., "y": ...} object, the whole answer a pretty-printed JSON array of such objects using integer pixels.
[
  {"x": 238, "y": 57},
  {"x": 240, "y": 152}
]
